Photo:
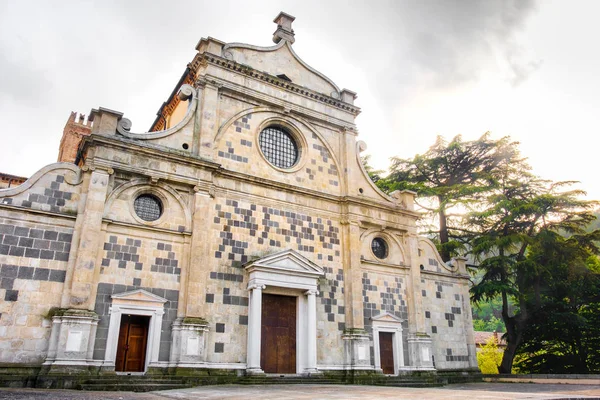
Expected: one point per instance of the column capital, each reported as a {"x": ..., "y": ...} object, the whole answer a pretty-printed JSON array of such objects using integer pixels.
[
  {"x": 313, "y": 292},
  {"x": 257, "y": 286}
]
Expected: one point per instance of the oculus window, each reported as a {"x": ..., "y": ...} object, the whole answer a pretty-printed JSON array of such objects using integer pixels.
[
  {"x": 379, "y": 248},
  {"x": 148, "y": 207},
  {"x": 278, "y": 147}
]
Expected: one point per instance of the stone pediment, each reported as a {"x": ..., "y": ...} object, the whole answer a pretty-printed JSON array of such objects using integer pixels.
[
  {"x": 281, "y": 60},
  {"x": 285, "y": 262},
  {"x": 137, "y": 296},
  {"x": 386, "y": 317}
]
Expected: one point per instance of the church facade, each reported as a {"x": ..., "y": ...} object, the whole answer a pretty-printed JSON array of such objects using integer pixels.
[{"x": 241, "y": 233}]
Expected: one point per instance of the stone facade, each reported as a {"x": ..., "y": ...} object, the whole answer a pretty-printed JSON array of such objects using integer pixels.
[{"x": 77, "y": 252}]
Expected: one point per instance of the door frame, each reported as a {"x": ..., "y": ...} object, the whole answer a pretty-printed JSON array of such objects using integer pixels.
[
  {"x": 136, "y": 302},
  {"x": 285, "y": 273},
  {"x": 386, "y": 322}
]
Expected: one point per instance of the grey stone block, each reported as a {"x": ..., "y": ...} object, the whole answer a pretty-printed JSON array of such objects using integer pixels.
[
  {"x": 50, "y": 235},
  {"x": 9, "y": 271},
  {"x": 7, "y": 283},
  {"x": 57, "y": 275},
  {"x": 10, "y": 240},
  {"x": 7, "y": 229},
  {"x": 26, "y": 272},
  {"x": 21, "y": 231},
  {"x": 41, "y": 274},
  {"x": 16, "y": 251},
  {"x": 36, "y": 233},
  {"x": 11, "y": 295},
  {"x": 32, "y": 253},
  {"x": 46, "y": 254}
]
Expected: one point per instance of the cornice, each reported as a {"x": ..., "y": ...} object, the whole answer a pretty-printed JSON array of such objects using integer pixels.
[
  {"x": 280, "y": 83},
  {"x": 237, "y": 92}
]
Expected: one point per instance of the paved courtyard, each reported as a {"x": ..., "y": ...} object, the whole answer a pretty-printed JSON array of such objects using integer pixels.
[{"x": 472, "y": 391}]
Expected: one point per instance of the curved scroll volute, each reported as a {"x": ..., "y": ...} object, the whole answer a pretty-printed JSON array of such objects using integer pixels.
[{"x": 186, "y": 92}]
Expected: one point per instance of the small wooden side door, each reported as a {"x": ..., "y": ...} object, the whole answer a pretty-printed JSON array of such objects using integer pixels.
[
  {"x": 131, "y": 348},
  {"x": 278, "y": 334},
  {"x": 386, "y": 352}
]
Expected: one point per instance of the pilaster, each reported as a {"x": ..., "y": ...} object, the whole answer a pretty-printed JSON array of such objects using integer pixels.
[
  {"x": 200, "y": 262},
  {"x": 83, "y": 286}
]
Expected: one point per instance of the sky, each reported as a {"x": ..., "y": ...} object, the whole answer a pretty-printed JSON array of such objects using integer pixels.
[{"x": 525, "y": 69}]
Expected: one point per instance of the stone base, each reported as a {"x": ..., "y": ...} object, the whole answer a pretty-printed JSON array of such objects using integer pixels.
[
  {"x": 189, "y": 338},
  {"x": 72, "y": 339},
  {"x": 357, "y": 353},
  {"x": 420, "y": 352}
]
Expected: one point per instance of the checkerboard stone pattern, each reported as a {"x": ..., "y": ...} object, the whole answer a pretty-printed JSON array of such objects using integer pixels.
[
  {"x": 102, "y": 307},
  {"x": 239, "y": 148},
  {"x": 50, "y": 193},
  {"x": 444, "y": 317}
]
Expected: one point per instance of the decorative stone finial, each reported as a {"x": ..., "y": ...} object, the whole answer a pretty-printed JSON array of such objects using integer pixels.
[{"x": 284, "y": 28}]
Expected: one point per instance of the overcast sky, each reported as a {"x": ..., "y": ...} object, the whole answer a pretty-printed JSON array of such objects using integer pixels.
[{"x": 525, "y": 69}]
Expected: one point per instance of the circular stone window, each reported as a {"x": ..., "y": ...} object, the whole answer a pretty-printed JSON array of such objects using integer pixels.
[
  {"x": 278, "y": 147},
  {"x": 379, "y": 248},
  {"x": 148, "y": 207}
]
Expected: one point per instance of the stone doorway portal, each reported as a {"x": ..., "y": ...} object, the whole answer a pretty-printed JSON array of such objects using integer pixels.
[
  {"x": 278, "y": 344},
  {"x": 133, "y": 340}
]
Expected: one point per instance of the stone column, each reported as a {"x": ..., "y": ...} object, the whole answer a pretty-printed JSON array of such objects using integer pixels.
[
  {"x": 254, "y": 330},
  {"x": 311, "y": 332}
]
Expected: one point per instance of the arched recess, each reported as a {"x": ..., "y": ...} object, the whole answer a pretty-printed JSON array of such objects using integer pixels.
[
  {"x": 156, "y": 188},
  {"x": 396, "y": 253},
  {"x": 430, "y": 251},
  {"x": 290, "y": 119}
]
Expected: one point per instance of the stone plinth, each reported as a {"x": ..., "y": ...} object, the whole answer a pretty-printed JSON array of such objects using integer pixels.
[
  {"x": 72, "y": 338},
  {"x": 189, "y": 338}
]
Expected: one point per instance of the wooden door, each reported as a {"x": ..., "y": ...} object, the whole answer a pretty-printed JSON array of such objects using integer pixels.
[
  {"x": 131, "y": 349},
  {"x": 278, "y": 334},
  {"x": 386, "y": 352}
]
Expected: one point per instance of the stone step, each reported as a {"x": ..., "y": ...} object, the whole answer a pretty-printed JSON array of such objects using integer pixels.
[
  {"x": 110, "y": 381},
  {"x": 132, "y": 387}
]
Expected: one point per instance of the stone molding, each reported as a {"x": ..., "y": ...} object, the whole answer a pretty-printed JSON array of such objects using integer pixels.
[
  {"x": 74, "y": 178},
  {"x": 263, "y": 76},
  {"x": 185, "y": 92}
]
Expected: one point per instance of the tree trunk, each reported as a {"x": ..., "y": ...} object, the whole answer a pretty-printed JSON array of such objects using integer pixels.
[
  {"x": 513, "y": 338},
  {"x": 443, "y": 232}
]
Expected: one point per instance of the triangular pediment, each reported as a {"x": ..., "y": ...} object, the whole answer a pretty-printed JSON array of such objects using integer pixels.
[
  {"x": 138, "y": 295},
  {"x": 386, "y": 317},
  {"x": 286, "y": 261}
]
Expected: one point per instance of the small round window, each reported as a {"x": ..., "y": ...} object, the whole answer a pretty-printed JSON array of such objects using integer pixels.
[
  {"x": 148, "y": 207},
  {"x": 379, "y": 248},
  {"x": 278, "y": 146}
]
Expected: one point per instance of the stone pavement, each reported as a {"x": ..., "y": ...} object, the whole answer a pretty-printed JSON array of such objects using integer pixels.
[{"x": 471, "y": 391}]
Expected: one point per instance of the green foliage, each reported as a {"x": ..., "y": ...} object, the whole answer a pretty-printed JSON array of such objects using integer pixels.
[
  {"x": 490, "y": 357},
  {"x": 374, "y": 174},
  {"x": 528, "y": 235},
  {"x": 563, "y": 335},
  {"x": 514, "y": 237},
  {"x": 493, "y": 324},
  {"x": 450, "y": 177}
]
